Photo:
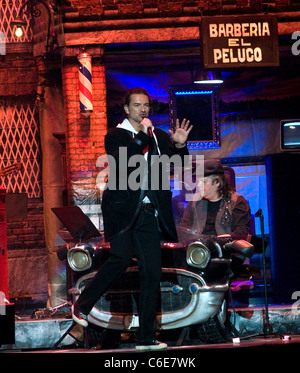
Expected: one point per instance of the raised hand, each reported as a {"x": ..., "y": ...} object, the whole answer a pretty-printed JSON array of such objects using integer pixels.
[{"x": 181, "y": 132}]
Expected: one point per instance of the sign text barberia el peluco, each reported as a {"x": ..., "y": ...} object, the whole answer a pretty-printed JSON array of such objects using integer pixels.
[{"x": 235, "y": 41}]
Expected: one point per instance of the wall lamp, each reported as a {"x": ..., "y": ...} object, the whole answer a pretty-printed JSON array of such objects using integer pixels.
[
  {"x": 208, "y": 77},
  {"x": 31, "y": 9}
]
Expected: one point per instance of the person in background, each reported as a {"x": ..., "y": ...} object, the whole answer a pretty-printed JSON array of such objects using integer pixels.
[{"x": 219, "y": 210}]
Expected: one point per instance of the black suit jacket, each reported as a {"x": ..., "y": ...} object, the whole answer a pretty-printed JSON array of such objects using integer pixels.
[{"x": 120, "y": 205}]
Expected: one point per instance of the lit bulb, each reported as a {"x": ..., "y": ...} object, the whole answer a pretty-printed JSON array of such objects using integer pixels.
[{"x": 19, "y": 31}]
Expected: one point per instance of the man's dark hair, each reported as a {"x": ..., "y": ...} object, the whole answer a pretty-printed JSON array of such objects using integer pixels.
[
  {"x": 136, "y": 90},
  {"x": 224, "y": 188}
]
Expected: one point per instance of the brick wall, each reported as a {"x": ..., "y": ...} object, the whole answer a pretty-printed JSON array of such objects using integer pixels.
[
  {"x": 27, "y": 259},
  {"x": 27, "y": 255},
  {"x": 108, "y": 8},
  {"x": 21, "y": 69},
  {"x": 27, "y": 233}
]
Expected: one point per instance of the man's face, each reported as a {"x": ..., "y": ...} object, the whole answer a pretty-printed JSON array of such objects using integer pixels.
[
  {"x": 208, "y": 188},
  {"x": 138, "y": 109}
]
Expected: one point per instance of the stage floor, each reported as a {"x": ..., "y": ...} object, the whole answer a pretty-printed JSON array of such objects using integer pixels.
[
  {"x": 252, "y": 342},
  {"x": 253, "y": 354},
  {"x": 43, "y": 334},
  {"x": 35, "y": 348}
]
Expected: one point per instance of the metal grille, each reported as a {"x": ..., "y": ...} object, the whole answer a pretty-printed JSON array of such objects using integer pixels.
[
  {"x": 8, "y": 12},
  {"x": 20, "y": 142},
  {"x": 122, "y": 296}
]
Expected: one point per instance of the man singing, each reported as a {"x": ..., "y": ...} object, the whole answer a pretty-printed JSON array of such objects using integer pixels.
[{"x": 136, "y": 219}]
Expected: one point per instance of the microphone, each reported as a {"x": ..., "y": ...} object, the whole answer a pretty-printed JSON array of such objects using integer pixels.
[
  {"x": 147, "y": 122},
  {"x": 150, "y": 133},
  {"x": 258, "y": 213}
]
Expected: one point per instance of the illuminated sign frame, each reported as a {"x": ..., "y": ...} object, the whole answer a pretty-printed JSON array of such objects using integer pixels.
[
  {"x": 239, "y": 41},
  {"x": 200, "y": 106}
]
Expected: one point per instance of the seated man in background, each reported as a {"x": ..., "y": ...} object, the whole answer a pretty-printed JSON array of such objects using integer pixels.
[{"x": 219, "y": 209}]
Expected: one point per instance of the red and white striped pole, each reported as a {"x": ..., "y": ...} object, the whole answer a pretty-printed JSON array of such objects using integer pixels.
[{"x": 85, "y": 83}]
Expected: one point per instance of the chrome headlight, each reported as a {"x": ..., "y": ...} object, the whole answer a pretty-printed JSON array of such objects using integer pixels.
[
  {"x": 80, "y": 258},
  {"x": 197, "y": 255}
]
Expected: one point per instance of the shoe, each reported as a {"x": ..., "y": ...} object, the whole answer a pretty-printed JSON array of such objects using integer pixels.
[
  {"x": 151, "y": 346},
  {"x": 78, "y": 316}
]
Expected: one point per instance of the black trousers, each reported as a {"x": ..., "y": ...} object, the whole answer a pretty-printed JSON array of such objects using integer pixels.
[{"x": 143, "y": 242}]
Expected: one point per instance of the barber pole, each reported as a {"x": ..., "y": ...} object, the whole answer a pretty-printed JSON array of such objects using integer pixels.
[{"x": 85, "y": 83}]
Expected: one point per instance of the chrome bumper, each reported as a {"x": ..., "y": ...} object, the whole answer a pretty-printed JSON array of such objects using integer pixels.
[{"x": 205, "y": 302}]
